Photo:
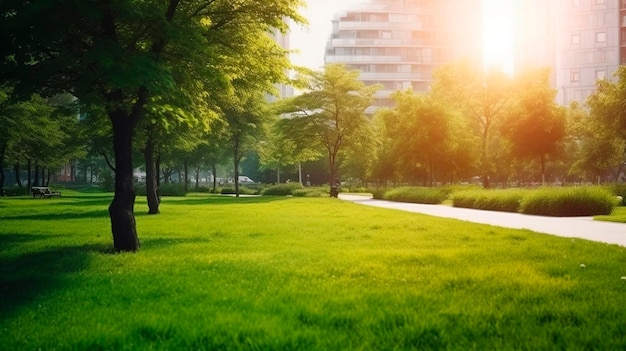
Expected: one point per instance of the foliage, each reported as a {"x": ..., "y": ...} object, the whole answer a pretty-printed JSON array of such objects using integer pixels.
[
  {"x": 265, "y": 273},
  {"x": 310, "y": 192},
  {"x": 421, "y": 195},
  {"x": 570, "y": 201},
  {"x": 604, "y": 143},
  {"x": 165, "y": 189},
  {"x": 535, "y": 125},
  {"x": 617, "y": 189},
  {"x": 242, "y": 190},
  {"x": 330, "y": 116},
  {"x": 423, "y": 139},
  {"x": 17, "y": 191},
  {"x": 172, "y": 60},
  {"x": 506, "y": 200},
  {"x": 483, "y": 98},
  {"x": 282, "y": 189}
]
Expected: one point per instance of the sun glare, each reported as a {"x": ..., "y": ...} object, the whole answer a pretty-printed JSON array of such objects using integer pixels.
[{"x": 498, "y": 34}]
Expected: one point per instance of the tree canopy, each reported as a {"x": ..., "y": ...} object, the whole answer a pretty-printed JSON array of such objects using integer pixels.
[{"x": 173, "y": 58}]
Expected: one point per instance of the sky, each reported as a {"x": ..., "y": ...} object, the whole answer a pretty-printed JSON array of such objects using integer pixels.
[{"x": 311, "y": 41}]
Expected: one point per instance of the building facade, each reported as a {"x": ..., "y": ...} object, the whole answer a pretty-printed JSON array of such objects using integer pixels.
[
  {"x": 581, "y": 40},
  {"x": 399, "y": 43}
]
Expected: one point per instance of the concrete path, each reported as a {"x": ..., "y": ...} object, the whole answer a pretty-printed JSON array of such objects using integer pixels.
[{"x": 569, "y": 227}]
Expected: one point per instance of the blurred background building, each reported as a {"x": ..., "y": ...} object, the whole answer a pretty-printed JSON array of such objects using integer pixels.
[{"x": 399, "y": 43}]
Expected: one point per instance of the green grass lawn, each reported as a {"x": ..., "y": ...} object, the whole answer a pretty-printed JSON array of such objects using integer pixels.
[
  {"x": 618, "y": 215},
  {"x": 273, "y": 273}
]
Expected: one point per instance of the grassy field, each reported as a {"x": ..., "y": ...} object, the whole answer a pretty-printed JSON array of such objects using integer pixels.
[
  {"x": 618, "y": 215},
  {"x": 275, "y": 273}
]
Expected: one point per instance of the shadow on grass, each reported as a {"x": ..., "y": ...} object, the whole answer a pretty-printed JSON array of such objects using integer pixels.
[
  {"x": 223, "y": 200},
  {"x": 168, "y": 242},
  {"x": 26, "y": 277},
  {"x": 60, "y": 216}
]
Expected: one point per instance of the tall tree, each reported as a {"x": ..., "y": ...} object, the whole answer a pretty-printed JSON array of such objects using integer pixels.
[
  {"x": 331, "y": 114},
  {"x": 131, "y": 56},
  {"x": 606, "y": 142},
  {"x": 247, "y": 119},
  {"x": 425, "y": 137},
  {"x": 483, "y": 97},
  {"x": 535, "y": 124}
]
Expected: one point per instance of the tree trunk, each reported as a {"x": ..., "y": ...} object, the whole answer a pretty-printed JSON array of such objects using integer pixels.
[
  {"x": 2, "y": 175},
  {"x": 36, "y": 180},
  {"x": 29, "y": 181},
  {"x": 236, "y": 177},
  {"x": 214, "y": 174},
  {"x": 121, "y": 210},
  {"x": 16, "y": 168},
  {"x": 236, "y": 160},
  {"x": 186, "y": 179},
  {"x": 197, "y": 178},
  {"x": 151, "y": 177}
]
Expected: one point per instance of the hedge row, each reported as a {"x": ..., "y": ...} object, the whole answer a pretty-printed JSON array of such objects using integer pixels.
[
  {"x": 505, "y": 200},
  {"x": 558, "y": 202},
  {"x": 420, "y": 195},
  {"x": 567, "y": 201}
]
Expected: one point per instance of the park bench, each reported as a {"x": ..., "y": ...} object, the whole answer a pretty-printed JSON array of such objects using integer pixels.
[{"x": 43, "y": 192}]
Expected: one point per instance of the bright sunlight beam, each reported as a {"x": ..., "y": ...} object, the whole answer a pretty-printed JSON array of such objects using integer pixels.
[{"x": 498, "y": 34}]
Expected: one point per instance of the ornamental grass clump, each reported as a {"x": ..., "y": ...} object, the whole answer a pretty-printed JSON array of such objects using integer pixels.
[
  {"x": 504, "y": 200},
  {"x": 284, "y": 189},
  {"x": 570, "y": 201},
  {"x": 416, "y": 195},
  {"x": 310, "y": 192}
]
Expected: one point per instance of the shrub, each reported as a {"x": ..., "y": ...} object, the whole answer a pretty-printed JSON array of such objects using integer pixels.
[
  {"x": 465, "y": 198},
  {"x": 310, "y": 192},
  {"x": 571, "y": 201},
  {"x": 504, "y": 200},
  {"x": 17, "y": 191},
  {"x": 416, "y": 195},
  {"x": 281, "y": 189},
  {"x": 230, "y": 190},
  {"x": 619, "y": 190},
  {"x": 165, "y": 189}
]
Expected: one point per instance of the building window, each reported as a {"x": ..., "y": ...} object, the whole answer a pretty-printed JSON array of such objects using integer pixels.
[
  {"x": 575, "y": 39},
  {"x": 574, "y": 76},
  {"x": 600, "y": 74},
  {"x": 601, "y": 37}
]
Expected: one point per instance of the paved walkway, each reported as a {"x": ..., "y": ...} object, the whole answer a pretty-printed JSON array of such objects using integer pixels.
[{"x": 570, "y": 227}]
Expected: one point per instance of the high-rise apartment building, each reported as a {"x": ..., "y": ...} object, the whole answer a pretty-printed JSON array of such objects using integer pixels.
[
  {"x": 580, "y": 40},
  {"x": 399, "y": 43},
  {"x": 284, "y": 90}
]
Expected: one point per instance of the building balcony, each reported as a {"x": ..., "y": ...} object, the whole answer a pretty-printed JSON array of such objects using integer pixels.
[
  {"x": 386, "y": 76},
  {"x": 351, "y": 42},
  {"x": 376, "y": 59},
  {"x": 363, "y": 59},
  {"x": 343, "y": 25}
]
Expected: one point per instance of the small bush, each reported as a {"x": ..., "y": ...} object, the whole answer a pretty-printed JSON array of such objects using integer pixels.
[
  {"x": 230, "y": 190},
  {"x": 504, "y": 200},
  {"x": 571, "y": 201},
  {"x": 17, "y": 191},
  {"x": 165, "y": 189},
  {"x": 619, "y": 190},
  {"x": 309, "y": 192},
  {"x": 281, "y": 189},
  {"x": 378, "y": 194},
  {"x": 416, "y": 195}
]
